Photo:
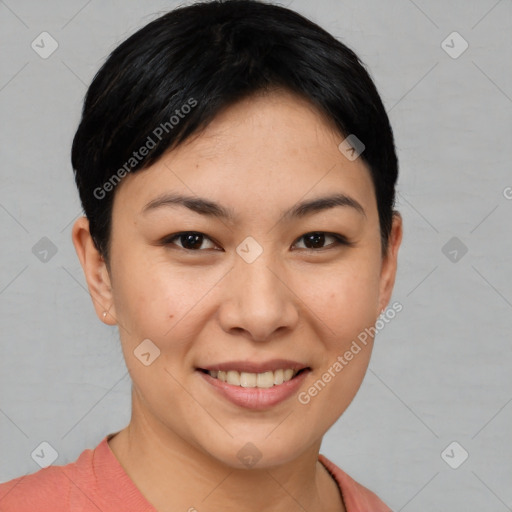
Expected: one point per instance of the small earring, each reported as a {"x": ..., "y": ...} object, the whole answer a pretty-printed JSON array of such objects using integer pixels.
[{"x": 104, "y": 314}]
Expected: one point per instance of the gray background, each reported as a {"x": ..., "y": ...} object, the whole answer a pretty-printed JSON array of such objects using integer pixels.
[{"x": 441, "y": 370}]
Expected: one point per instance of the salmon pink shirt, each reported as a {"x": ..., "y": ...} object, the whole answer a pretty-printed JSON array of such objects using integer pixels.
[{"x": 96, "y": 482}]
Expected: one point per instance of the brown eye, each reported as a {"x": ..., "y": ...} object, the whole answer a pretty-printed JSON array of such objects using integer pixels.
[
  {"x": 189, "y": 240},
  {"x": 317, "y": 239}
]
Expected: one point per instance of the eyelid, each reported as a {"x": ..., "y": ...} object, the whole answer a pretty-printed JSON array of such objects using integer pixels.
[
  {"x": 166, "y": 240},
  {"x": 340, "y": 240}
]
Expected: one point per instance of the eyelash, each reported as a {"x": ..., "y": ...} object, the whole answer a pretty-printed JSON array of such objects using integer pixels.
[{"x": 339, "y": 240}]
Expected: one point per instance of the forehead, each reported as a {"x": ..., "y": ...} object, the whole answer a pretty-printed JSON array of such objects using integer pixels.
[
  {"x": 273, "y": 120},
  {"x": 265, "y": 150}
]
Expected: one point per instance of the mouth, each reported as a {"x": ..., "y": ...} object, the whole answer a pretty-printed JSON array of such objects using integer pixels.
[
  {"x": 263, "y": 387},
  {"x": 263, "y": 380}
]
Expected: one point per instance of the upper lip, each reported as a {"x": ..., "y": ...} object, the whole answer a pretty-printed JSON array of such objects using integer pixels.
[{"x": 254, "y": 367}]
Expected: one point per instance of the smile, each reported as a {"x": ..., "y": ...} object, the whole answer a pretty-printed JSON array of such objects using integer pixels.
[
  {"x": 258, "y": 391},
  {"x": 263, "y": 380}
]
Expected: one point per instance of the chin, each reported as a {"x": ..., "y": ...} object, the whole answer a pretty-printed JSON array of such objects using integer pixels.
[{"x": 256, "y": 452}]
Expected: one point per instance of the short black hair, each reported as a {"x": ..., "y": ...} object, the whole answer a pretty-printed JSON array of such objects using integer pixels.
[{"x": 172, "y": 77}]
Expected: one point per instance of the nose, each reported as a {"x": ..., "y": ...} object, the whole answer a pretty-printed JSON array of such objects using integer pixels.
[{"x": 258, "y": 299}]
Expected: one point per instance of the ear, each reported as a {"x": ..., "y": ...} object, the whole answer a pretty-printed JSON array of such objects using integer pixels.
[
  {"x": 95, "y": 270},
  {"x": 389, "y": 262}
]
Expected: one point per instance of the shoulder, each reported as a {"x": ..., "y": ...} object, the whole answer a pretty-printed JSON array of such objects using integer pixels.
[
  {"x": 356, "y": 497},
  {"x": 55, "y": 488}
]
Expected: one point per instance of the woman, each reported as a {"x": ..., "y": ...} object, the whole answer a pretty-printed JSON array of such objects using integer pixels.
[{"x": 237, "y": 172}]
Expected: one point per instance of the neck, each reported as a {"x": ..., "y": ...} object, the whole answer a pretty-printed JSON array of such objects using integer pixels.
[{"x": 172, "y": 474}]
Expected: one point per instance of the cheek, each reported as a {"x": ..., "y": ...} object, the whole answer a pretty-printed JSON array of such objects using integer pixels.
[
  {"x": 344, "y": 307},
  {"x": 344, "y": 298},
  {"x": 161, "y": 303},
  {"x": 141, "y": 288}
]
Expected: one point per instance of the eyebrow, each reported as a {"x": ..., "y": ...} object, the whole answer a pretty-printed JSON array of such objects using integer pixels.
[{"x": 209, "y": 208}]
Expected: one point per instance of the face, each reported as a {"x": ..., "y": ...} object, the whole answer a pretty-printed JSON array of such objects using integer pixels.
[{"x": 267, "y": 281}]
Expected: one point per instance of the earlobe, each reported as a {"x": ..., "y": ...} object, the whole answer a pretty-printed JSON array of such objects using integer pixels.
[
  {"x": 95, "y": 271},
  {"x": 390, "y": 262}
]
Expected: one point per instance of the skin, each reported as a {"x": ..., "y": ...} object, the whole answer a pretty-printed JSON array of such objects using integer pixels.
[{"x": 259, "y": 157}]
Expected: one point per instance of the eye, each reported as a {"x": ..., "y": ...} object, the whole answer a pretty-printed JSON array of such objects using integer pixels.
[
  {"x": 194, "y": 240},
  {"x": 190, "y": 240},
  {"x": 316, "y": 240}
]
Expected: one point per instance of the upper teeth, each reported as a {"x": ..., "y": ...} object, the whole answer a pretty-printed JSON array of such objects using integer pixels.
[{"x": 254, "y": 380}]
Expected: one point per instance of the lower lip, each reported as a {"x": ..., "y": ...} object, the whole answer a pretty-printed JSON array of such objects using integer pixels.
[{"x": 256, "y": 398}]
